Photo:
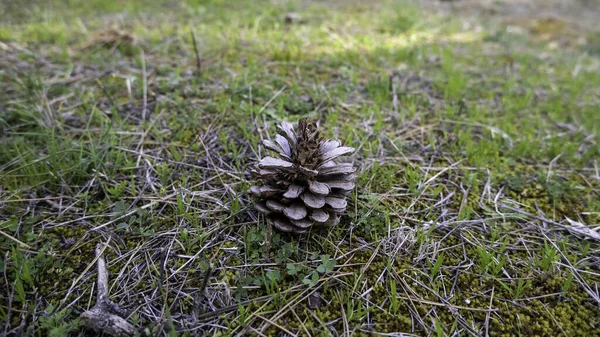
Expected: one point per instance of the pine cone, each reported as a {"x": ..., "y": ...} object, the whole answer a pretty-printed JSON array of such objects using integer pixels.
[{"x": 304, "y": 187}]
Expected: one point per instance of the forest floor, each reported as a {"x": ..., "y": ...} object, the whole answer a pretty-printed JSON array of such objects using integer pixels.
[{"x": 129, "y": 127}]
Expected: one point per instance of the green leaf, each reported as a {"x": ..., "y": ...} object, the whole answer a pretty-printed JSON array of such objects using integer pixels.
[
  {"x": 120, "y": 207},
  {"x": 567, "y": 284},
  {"x": 26, "y": 272},
  {"x": 284, "y": 253},
  {"x": 312, "y": 281},
  {"x": 274, "y": 275},
  {"x": 122, "y": 226},
  {"x": 203, "y": 266},
  {"x": 326, "y": 265},
  {"x": 438, "y": 328},
  {"x": 437, "y": 265},
  {"x": 12, "y": 224},
  {"x": 315, "y": 278},
  {"x": 49, "y": 309},
  {"x": 20, "y": 290}
]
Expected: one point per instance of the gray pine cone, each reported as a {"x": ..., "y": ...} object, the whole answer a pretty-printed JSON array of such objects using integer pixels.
[{"x": 304, "y": 187}]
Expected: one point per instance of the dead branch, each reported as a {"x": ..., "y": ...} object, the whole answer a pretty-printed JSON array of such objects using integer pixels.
[{"x": 106, "y": 316}]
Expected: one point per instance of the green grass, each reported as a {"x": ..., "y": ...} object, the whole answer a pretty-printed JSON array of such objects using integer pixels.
[{"x": 477, "y": 148}]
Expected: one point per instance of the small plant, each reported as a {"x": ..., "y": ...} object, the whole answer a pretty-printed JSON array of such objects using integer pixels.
[
  {"x": 117, "y": 190},
  {"x": 311, "y": 280},
  {"x": 326, "y": 265},
  {"x": 549, "y": 256},
  {"x": 567, "y": 284},
  {"x": 424, "y": 234},
  {"x": 274, "y": 276},
  {"x": 439, "y": 328},
  {"x": 436, "y": 266},
  {"x": 518, "y": 289},
  {"x": 355, "y": 310},
  {"x": 490, "y": 262},
  {"x": 394, "y": 302},
  {"x": 164, "y": 171},
  {"x": 294, "y": 269},
  {"x": 244, "y": 315},
  {"x": 54, "y": 322}
]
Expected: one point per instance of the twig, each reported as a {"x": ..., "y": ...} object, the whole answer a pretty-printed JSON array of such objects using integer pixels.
[
  {"x": 198, "y": 61},
  {"x": 487, "y": 316},
  {"x": 105, "y": 316},
  {"x": 145, "y": 86},
  {"x": 110, "y": 98},
  {"x": 394, "y": 75},
  {"x": 16, "y": 240},
  {"x": 268, "y": 231},
  {"x": 202, "y": 293},
  {"x": 575, "y": 228}
]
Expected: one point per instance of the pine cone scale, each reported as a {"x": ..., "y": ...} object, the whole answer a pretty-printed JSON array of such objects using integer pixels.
[
  {"x": 338, "y": 169},
  {"x": 270, "y": 163},
  {"x": 337, "y": 152},
  {"x": 336, "y": 203},
  {"x": 282, "y": 225},
  {"x": 293, "y": 191},
  {"x": 313, "y": 200},
  {"x": 275, "y": 206},
  {"x": 342, "y": 185},
  {"x": 308, "y": 172},
  {"x": 277, "y": 148},
  {"x": 284, "y": 145},
  {"x": 318, "y": 187},
  {"x": 319, "y": 215},
  {"x": 295, "y": 211},
  {"x": 287, "y": 130},
  {"x": 329, "y": 145}
]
